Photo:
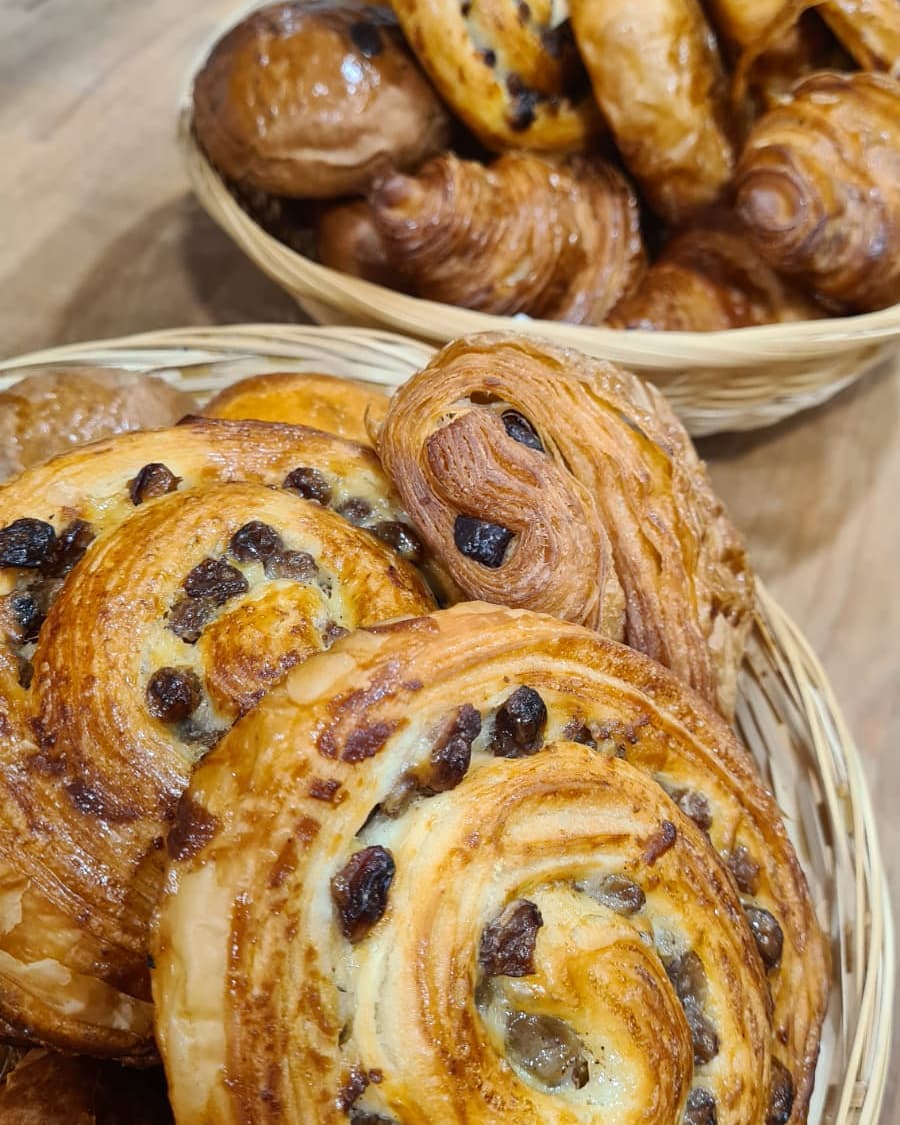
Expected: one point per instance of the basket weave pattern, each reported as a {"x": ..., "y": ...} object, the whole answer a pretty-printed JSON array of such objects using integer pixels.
[{"x": 786, "y": 714}]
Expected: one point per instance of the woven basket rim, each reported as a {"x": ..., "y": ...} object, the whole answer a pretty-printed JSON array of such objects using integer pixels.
[{"x": 189, "y": 357}]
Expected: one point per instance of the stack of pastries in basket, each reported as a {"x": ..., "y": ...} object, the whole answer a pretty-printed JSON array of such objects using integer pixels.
[
  {"x": 392, "y": 781},
  {"x": 657, "y": 164}
]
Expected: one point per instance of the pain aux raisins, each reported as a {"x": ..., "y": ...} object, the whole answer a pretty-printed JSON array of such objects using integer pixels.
[
  {"x": 700, "y": 1108},
  {"x": 310, "y": 484},
  {"x": 688, "y": 978},
  {"x": 255, "y": 542},
  {"x": 153, "y": 480},
  {"x": 355, "y": 510},
  {"x": 548, "y": 1049},
  {"x": 215, "y": 579},
  {"x": 402, "y": 538},
  {"x": 767, "y": 934},
  {"x": 507, "y": 943},
  {"x": 26, "y": 543},
  {"x": 360, "y": 889},
  {"x": 781, "y": 1095},
  {"x": 614, "y": 891},
  {"x": 173, "y": 694},
  {"x": 519, "y": 725}
]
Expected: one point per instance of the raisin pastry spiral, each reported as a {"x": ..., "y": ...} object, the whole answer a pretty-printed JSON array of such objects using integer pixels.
[
  {"x": 547, "y": 480},
  {"x": 325, "y": 402},
  {"x": 818, "y": 188},
  {"x": 509, "y": 69},
  {"x": 145, "y": 606},
  {"x": 520, "y": 236},
  {"x": 484, "y": 866}
]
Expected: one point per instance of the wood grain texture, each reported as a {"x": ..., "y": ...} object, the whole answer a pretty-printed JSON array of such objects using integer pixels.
[{"x": 100, "y": 237}]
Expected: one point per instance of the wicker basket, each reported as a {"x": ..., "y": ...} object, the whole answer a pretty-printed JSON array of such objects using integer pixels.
[
  {"x": 741, "y": 379},
  {"x": 787, "y": 714}
]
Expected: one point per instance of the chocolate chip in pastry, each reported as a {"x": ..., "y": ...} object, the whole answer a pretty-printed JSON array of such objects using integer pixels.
[
  {"x": 54, "y": 408},
  {"x": 522, "y": 235},
  {"x": 314, "y": 99},
  {"x": 709, "y": 278},
  {"x": 325, "y": 402},
  {"x": 658, "y": 79},
  {"x": 144, "y": 608},
  {"x": 817, "y": 187},
  {"x": 553, "y": 917},
  {"x": 547, "y": 480},
  {"x": 508, "y": 68}
]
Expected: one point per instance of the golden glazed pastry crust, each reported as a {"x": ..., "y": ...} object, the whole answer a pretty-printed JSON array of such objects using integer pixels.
[
  {"x": 544, "y": 479},
  {"x": 347, "y": 240},
  {"x": 315, "y": 99},
  {"x": 509, "y": 70},
  {"x": 709, "y": 278},
  {"x": 324, "y": 402},
  {"x": 818, "y": 188},
  {"x": 520, "y": 236},
  {"x": 452, "y": 825},
  {"x": 169, "y": 597},
  {"x": 658, "y": 79},
  {"x": 52, "y": 409}
]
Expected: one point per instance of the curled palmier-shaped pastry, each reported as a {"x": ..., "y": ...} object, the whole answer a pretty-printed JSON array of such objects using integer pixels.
[
  {"x": 656, "y": 75},
  {"x": 522, "y": 235},
  {"x": 516, "y": 871},
  {"x": 818, "y": 187},
  {"x": 710, "y": 278},
  {"x": 50, "y": 1089},
  {"x": 325, "y": 402},
  {"x": 144, "y": 607},
  {"x": 544, "y": 479},
  {"x": 509, "y": 69}
]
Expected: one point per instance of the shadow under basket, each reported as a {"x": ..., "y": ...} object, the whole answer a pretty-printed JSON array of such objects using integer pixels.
[
  {"x": 786, "y": 714},
  {"x": 740, "y": 379}
]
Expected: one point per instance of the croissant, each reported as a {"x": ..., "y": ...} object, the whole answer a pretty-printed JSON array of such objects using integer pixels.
[
  {"x": 818, "y": 188},
  {"x": 50, "y": 1089},
  {"x": 551, "y": 481},
  {"x": 484, "y": 866},
  {"x": 148, "y": 598},
  {"x": 522, "y": 235},
  {"x": 337, "y": 406},
  {"x": 509, "y": 70},
  {"x": 348, "y": 241},
  {"x": 709, "y": 278},
  {"x": 657, "y": 77}
]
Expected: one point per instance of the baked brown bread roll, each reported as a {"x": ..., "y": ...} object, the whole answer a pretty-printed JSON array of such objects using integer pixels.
[
  {"x": 517, "y": 872},
  {"x": 314, "y": 99},
  {"x": 710, "y": 278},
  {"x": 818, "y": 187},
  {"x": 325, "y": 402},
  {"x": 347, "y": 240},
  {"x": 509, "y": 70},
  {"x": 55, "y": 408},
  {"x": 51, "y": 1089},
  {"x": 658, "y": 79},
  {"x": 547, "y": 480},
  {"x": 522, "y": 235},
  {"x": 148, "y": 598}
]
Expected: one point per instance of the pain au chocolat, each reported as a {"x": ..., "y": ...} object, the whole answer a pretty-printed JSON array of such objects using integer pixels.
[
  {"x": 152, "y": 587},
  {"x": 484, "y": 866},
  {"x": 547, "y": 480}
]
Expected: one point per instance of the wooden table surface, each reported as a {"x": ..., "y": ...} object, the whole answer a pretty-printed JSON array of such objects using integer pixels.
[{"x": 100, "y": 237}]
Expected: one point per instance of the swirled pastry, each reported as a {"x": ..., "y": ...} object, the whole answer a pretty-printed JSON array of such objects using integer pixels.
[
  {"x": 55, "y": 408},
  {"x": 50, "y": 1089},
  {"x": 657, "y": 77},
  {"x": 314, "y": 99},
  {"x": 510, "y": 70},
  {"x": 818, "y": 187},
  {"x": 547, "y": 480},
  {"x": 522, "y": 235},
  {"x": 325, "y": 402},
  {"x": 710, "y": 278},
  {"x": 484, "y": 866},
  {"x": 147, "y": 600},
  {"x": 870, "y": 31}
]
